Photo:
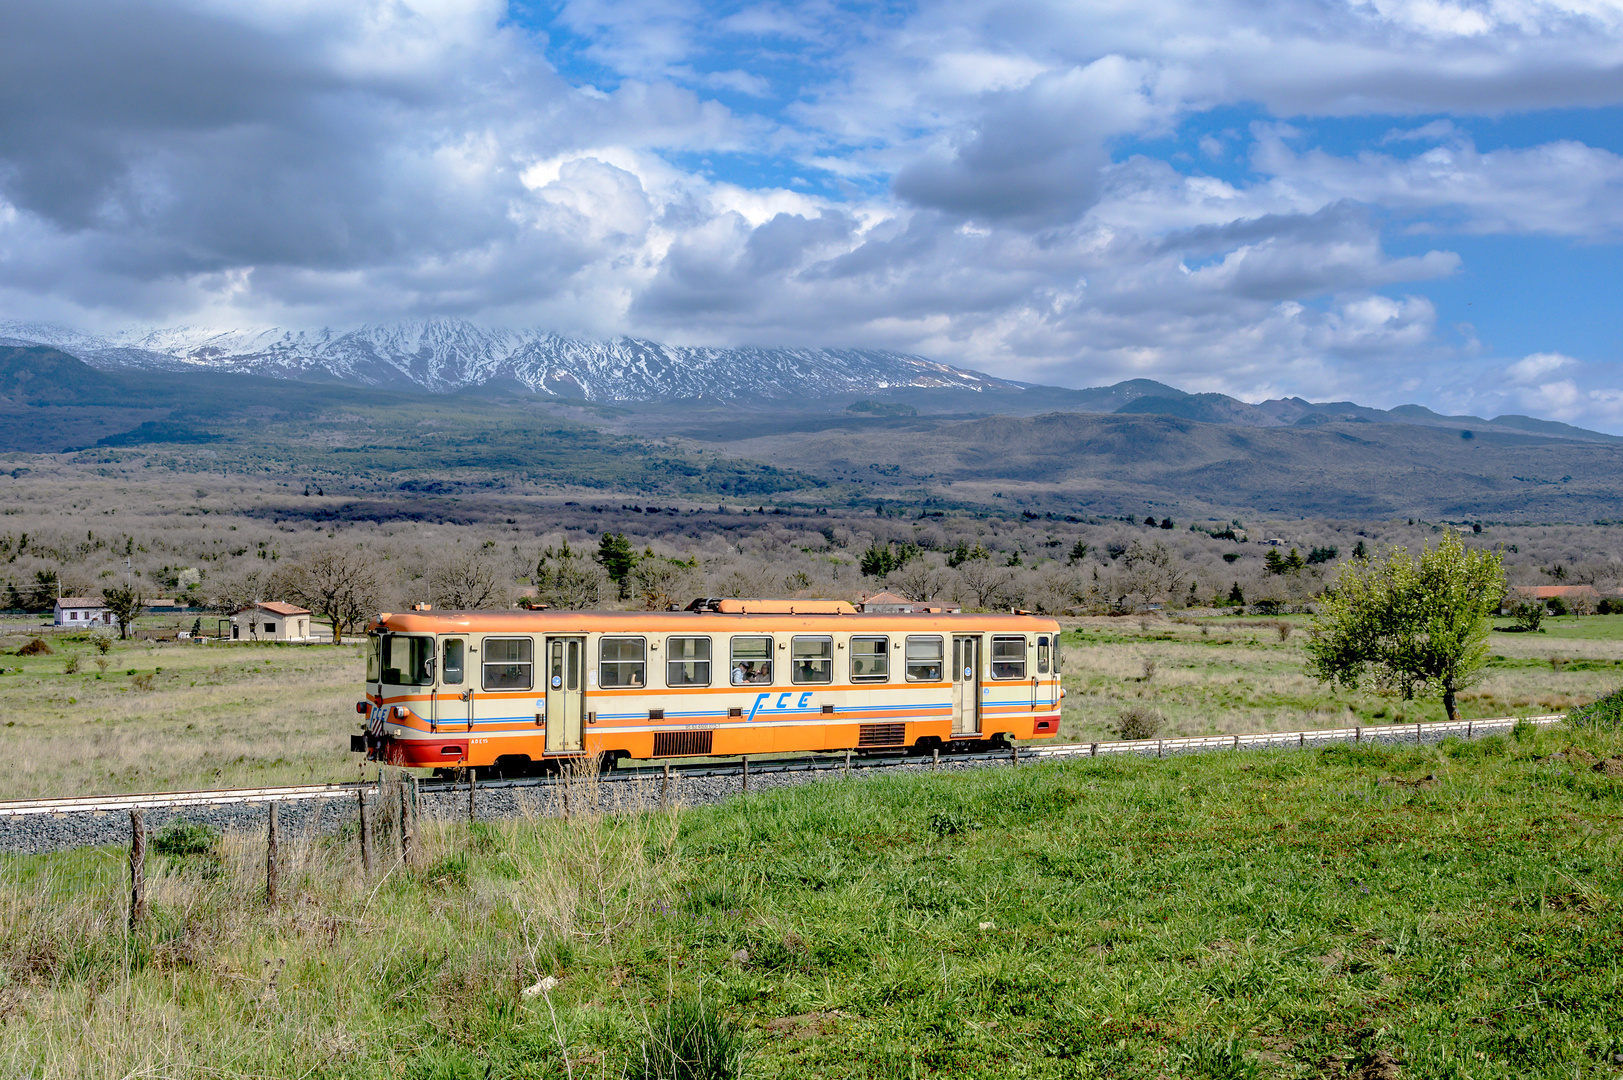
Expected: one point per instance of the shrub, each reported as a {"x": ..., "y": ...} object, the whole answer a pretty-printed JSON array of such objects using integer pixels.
[
  {"x": 70, "y": 666},
  {"x": 1607, "y": 713},
  {"x": 689, "y": 1040},
  {"x": 142, "y": 682},
  {"x": 1138, "y": 722},
  {"x": 102, "y": 642},
  {"x": 1528, "y": 614},
  {"x": 36, "y": 647}
]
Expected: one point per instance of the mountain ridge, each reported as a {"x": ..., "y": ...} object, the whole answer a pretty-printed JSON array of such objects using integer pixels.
[{"x": 452, "y": 355}]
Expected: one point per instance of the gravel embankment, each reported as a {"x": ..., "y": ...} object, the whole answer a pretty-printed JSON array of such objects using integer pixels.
[{"x": 47, "y": 832}]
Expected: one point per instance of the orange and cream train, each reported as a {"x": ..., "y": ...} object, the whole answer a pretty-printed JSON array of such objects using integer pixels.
[{"x": 515, "y": 692}]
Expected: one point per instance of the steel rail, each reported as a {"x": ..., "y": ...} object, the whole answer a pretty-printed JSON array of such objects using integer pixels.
[{"x": 1420, "y": 732}]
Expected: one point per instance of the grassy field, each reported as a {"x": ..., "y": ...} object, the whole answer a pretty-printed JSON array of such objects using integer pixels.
[
  {"x": 1226, "y": 675},
  {"x": 1447, "y": 911},
  {"x": 168, "y": 715},
  {"x": 247, "y": 714}
]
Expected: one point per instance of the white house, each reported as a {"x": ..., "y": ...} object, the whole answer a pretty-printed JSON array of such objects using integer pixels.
[
  {"x": 270, "y": 620},
  {"x": 75, "y": 611}
]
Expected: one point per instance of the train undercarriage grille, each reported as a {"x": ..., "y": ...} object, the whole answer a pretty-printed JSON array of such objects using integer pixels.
[
  {"x": 882, "y": 735},
  {"x": 682, "y": 743}
]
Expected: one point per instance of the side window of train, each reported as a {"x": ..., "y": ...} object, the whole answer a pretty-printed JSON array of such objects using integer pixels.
[
  {"x": 620, "y": 662},
  {"x": 870, "y": 659},
  {"x": 453, "y": 651},
  {"x": 374, "y": 658},
  {"x": 923, "y": 659},
  {"x": 508, "y": 664},
  {"x": 812, "y": 659},
  {"x": 752, "y": 661},
  {"x": 687, "y": 661},
  {"x": 1009, "y": 657},
  {"x": 1042, "y": 654}
]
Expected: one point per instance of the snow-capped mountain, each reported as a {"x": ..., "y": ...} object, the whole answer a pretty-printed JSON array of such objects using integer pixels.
[{"x": 447, "y": 354}]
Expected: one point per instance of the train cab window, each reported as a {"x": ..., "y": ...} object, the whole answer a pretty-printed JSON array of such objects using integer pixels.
[
  {"x": 452, "y": 653},
  {"x": 687, "y": 661},
  {"x": 408, "y": 661},
  {"x": 923, "y": 659},
  {"x": 1009, "y": 657},
  {"x": 621, "y": 662},
  {"x": 812, "y": 659},
  {"x": 870, "y": 659},
  {"x": 374, "y": 658},
  {"x": 507, "y": 664},
  {"x": 1042, "y": 654},
  {"x": 752, "y": 661}
]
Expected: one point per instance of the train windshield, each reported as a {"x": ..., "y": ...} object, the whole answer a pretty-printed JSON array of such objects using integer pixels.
[{"x": 407, "y": 660}]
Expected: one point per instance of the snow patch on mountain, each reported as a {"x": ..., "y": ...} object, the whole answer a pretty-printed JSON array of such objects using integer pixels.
[{"x": 444, "y": 355}]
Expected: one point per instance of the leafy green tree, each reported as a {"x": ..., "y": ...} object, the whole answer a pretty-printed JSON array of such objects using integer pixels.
[
  {"x": 1079, "y": 551},
  {"x": 1410, "y": 626},
  {"x": 124, "y": 603},
  {"x": 1237, "y": 595},
  {"x": 614, "y": 554}
]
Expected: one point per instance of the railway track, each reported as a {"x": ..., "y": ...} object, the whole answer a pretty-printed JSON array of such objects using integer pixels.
[{"x": 1422, "y": 732}]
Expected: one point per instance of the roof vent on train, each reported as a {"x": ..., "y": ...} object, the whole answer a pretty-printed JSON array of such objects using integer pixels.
[{"x": 732, "y": 605}]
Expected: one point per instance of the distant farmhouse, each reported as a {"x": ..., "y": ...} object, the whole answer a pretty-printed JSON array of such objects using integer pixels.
[
  {"x": 270, "y": 620},
  {"x": 1585, "y": 598},
  {"x": 76, "y": 611},
  {"x": 892, "y": 603}
]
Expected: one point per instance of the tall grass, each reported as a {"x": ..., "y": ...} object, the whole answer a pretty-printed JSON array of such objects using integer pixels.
[{"x": 1449, "y": 910}]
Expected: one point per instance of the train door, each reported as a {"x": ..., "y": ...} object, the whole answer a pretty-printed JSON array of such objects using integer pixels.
[
  {"x": 453, "y": 705},
  {"x": 966, "y": 685},
  {"x": 566, "y": 693}
]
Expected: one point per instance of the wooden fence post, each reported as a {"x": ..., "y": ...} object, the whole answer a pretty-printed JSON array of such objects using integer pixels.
[
  {"x": 1358, "y": 733},
  {"x": 935, "y": 758},
  {"x": 272, "y": 871},
  {"x": 365, "y": 829},
  {"x": 1093, "y": 750},
  {"x": 746, "y": 773},
  {"x": 138, "y": 869},
  {"x": 1417, "y": 733},
  {"x": 665, "y": 786},
  {"x": 848, "y": 763},
  {"x": 405, "y": 824},
  {"x": 473, "y": 779},
  {"x": 1014, "y": 753}
]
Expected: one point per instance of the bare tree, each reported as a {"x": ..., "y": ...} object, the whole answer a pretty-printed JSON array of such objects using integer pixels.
[
  {"x": 988, "y": 583},
  {"x": 660, "y": 582},
  {"x": 919, "y": 580},
  {"x": 568, "y": 579},
  {"x": 1152, "y": 573},
  {"x": 338, "y": 584},
  {"x": 467, "y": 582}
]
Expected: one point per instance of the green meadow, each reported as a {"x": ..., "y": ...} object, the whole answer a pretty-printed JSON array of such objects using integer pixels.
[{"x": 1438, "y": 911}]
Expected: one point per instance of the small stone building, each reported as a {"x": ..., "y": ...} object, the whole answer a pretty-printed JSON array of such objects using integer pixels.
[
  {"x": 82, "y": 611},
  {"x": 270, "y": 620}
]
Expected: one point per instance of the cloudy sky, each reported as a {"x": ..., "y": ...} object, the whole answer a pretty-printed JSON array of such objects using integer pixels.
[{"x": 1382, "y": 200}]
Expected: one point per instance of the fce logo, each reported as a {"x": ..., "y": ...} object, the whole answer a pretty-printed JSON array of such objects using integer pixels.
[{"x": 781, "y": 704}]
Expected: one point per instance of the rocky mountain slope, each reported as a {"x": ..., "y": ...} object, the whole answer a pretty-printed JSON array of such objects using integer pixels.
[{"x": 448, "y": 354}]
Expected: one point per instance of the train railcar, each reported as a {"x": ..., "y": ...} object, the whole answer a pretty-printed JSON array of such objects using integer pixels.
[{"x": 516, "y": 692}]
